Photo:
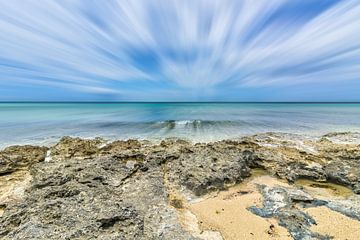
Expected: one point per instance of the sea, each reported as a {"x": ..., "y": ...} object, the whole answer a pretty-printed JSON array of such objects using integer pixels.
[{"x": 46, "y": 123}]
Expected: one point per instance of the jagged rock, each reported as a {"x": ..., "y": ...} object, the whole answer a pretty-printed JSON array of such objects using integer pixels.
[
  {"x": 343, "y": 164},
  {"x": 208, "y": 167},
  {"x": 91, "y": 190},
  {"x": 102, "y": 198},
  {"x": 20, "y": 157},
  {"x": 293, "y": 157},
  {"x": 118, "y": 147},
  {"x": 69, "y": 147}
]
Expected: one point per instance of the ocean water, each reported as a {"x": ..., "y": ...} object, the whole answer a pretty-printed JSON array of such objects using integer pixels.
[{"x": 45, "y": 123}]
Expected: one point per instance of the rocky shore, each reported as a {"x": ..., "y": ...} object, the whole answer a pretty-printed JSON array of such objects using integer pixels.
[{"x": 175, "y": 189}]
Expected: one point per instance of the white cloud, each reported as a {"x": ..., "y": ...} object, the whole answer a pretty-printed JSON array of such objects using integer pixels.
[{"x": 197, "y": 44}]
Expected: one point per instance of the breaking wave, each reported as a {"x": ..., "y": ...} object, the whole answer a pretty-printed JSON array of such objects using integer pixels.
[{"x": 175, "y": 124}]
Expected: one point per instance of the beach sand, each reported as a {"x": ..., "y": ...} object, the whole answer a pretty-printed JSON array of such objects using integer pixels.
[
  {"x": 334, "y": 224},
  {"x": 225, "y": 214}
]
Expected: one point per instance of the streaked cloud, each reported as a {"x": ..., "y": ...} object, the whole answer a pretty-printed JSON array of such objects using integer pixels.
[{"x": 177, "y": 50}]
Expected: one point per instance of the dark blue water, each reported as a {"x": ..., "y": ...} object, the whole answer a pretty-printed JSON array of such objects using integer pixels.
[{"x": 41, "y": 123}]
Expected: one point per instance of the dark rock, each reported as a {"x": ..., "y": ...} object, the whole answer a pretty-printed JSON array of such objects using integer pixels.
[
  {"x": 280, "y": 203},
  {"x": 349, "y": 207},
  {"x": 209, "y": 167}
]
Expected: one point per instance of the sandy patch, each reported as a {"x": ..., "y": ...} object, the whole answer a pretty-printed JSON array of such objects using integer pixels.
[
  {"x": 191, "y": 224},
  {"x": 224, "y": 214},
  {"x": 227, "y": 212},
  {"x": 334, "y": 224}
]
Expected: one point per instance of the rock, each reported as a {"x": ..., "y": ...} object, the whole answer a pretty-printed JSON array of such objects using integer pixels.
[
  {"x": 280, "y": 203},
  {"x": 69, "y": 147},
  {"x": 208, "y": 167},
  {"x": 102, "y": 198},
  {"x": 349, "y": 206},
  {"x": 124, "y": 189},
  {"x": 14, "y": 172},
  {"x": 20, "y": 157},
  {"x": 343, "y": 164},
  {"x": 321, "y": 160},
  {"x": 117, "y": 147}
]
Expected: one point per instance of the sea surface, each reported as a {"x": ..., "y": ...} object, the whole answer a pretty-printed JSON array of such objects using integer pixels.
[{"x": 46, "y": 123}]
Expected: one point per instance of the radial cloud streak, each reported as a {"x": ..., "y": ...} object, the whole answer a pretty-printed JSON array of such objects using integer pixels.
[{"x": 171, "y": 50}]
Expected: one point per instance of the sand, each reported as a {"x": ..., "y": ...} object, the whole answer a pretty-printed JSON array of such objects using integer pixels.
[
  {"x": 334, "y": 224},
  {"x": 228, "y": 214},
  {"x": 224, "y": 214}
]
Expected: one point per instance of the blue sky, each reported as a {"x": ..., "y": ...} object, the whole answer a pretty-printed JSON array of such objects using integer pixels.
[{"x": 180, "y": 50}]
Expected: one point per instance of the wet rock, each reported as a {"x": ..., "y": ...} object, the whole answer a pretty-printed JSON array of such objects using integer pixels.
[{"x": 342, "y": 137}]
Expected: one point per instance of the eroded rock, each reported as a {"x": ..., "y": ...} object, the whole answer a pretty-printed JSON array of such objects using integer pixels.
[
  {"x": 70, "y": 148},
  {"x": 208, "y": 167},
  {"x": 20, "y": 157},
  {"x": 93, "y": 190}
]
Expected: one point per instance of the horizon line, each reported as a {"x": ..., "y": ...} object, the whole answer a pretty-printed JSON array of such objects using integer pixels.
[{"x": 243, "y": 102}]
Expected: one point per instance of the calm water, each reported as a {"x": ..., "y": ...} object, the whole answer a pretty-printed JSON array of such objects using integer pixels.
[{"x": 44, "y": 123}]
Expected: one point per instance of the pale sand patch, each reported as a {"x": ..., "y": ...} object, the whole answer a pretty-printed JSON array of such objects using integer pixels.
[
  {"x": 190, "y": 223},
  {"x": 224, "y": 214},
  {"x": 227, "y": 212},
  {"x": 334, "y": 224},
  {"x": 188, "y": 220}
]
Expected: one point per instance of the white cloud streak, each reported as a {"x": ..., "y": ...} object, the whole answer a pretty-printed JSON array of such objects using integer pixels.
[{"x": 97, "y": 46}]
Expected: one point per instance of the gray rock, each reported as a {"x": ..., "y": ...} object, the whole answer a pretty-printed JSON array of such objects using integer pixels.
[
  {"x": 208, "y": 167},
  {"x": 280, "y": 203},
  {"x": 121, "y": 190},
  {"x": 349, "y": 207}
]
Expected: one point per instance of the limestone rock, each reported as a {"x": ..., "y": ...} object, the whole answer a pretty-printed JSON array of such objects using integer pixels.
[
  {"x": 69, "y": 147},
  {"x": 20, "y": 157},
  {"x": 121, "y": 190}
]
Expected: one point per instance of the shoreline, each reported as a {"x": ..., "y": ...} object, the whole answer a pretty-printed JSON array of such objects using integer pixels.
[
  {"x": 350, "y": 137},
  {"x": 176, "y": 189}
]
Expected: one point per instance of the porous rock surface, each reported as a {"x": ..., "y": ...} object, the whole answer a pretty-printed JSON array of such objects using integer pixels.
[{"x": 90, "y": 189}]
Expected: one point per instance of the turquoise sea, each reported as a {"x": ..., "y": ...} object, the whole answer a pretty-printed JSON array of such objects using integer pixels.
[{"x": 45, "y": 123}]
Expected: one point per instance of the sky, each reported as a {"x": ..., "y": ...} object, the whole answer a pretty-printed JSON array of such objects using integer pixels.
[{"x": 180, "y": 50}]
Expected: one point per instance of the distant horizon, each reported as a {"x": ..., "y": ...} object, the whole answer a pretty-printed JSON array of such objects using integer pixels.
[{"x": 245, "y": 102}]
